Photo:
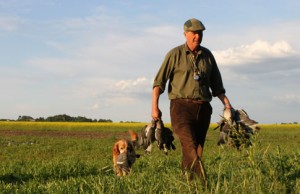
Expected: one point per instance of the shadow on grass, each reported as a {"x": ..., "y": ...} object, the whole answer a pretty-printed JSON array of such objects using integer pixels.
[
  {"x": 14, "y": 178},
  {"x": 19, "y": 178}
]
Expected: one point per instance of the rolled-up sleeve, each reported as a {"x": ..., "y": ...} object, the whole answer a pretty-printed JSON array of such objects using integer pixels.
[
  {"x": 164, "y": 73},
  {"x": 216, "y": 79}
]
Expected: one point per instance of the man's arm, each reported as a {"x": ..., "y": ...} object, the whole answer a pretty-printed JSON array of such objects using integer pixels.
[
  {"x": 156, "y": 113},
  {"x": 224, "y": 100}
]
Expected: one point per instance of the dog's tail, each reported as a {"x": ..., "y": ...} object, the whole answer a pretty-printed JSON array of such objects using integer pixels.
[
  {"x": 134, "y": 138},
  {"x": 133, "y": 135}
]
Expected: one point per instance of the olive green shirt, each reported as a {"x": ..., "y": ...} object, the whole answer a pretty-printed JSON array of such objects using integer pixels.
[{"x": 178, "y": 69}]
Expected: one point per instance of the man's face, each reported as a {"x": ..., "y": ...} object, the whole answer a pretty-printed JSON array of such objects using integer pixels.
[{"x": 193, "y": 39}]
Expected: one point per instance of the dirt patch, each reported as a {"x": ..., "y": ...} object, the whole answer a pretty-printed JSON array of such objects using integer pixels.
[{"x": 75, "y": 134}]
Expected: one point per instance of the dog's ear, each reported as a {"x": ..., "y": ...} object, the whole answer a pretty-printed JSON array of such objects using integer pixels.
[{"x": 116, "y": 150}]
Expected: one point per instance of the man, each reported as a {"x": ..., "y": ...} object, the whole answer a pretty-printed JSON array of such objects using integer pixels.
[{"x": 194, "y": 78}]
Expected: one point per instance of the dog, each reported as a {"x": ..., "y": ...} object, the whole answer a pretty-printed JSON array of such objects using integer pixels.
[
  {"x": 124, "y": 156},
  {"x": 154, "y": 132},
  {"x": 236, "y": 128}
]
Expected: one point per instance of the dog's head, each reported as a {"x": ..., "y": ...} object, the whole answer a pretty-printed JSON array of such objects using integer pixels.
[{"x": 124, "y": 156}]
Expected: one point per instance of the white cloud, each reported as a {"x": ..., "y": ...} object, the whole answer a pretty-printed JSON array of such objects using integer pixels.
[
  {"x": 164, "y": 31},
  {"x": 95, "y": 106},
  {"x": 288, "y": 98},
  {"x": 10, "y": 23},
  {"x": 58, "y": 66},
  {"x": 253, "y": 53},
  {"x": 131, "y": 84}
]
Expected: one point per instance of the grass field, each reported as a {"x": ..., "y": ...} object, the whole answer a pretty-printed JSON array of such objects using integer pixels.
[{"x": 77, "y": 158}]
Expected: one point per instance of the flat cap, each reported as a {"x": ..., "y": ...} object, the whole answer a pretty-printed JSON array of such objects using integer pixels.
[{"x": 193, "y": 25}]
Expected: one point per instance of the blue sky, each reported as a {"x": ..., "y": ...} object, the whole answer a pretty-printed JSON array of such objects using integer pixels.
[{"x": 98, "y": 58}]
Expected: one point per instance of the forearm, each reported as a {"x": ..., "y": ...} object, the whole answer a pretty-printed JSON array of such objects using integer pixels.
[
  {"x": 156, "y": 114},
  {"x": 224, "y": 100}
]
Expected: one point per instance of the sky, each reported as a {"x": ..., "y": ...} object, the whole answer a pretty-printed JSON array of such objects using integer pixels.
[{"x": 98, "y": 58}]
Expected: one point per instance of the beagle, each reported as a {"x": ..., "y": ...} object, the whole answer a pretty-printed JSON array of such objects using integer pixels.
[{"x": 124, "y": 156}]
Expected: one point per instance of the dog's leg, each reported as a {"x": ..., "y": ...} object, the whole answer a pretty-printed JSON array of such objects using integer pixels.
[
  {"x": 165, "y": 149},
  {"x": 149, "y": 148}
]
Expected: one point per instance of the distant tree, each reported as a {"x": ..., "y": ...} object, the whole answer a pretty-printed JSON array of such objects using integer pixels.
[
  {"x": 82, "y": 119},
  {"x": 40, "y": 119},
  {"x": 60, "y": 118},
  {"x": 67, "y": 118},
  {"x": 25, "y": 118},
  {"x": 105, "y": 121},
  {"x": 6, "y": 120}
]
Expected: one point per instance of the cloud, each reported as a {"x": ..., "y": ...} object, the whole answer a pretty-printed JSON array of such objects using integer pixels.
[
  {"x": 132, "y": 84},
  {"x": 53, "y": 65},
  {"x": 282, "y": 67},
  {"x": 105, "y": 93},
  {"x": 253, "y": 53},
  {"x": 10, "y": 23},
  {"x": 288, "y": 98},
  {"x": 103, "y": 50}
]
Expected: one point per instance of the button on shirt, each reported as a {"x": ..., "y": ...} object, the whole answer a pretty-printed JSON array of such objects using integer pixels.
[{"x": 178, "y": 69}]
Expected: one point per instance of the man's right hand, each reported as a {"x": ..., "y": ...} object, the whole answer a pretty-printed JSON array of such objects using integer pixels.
[{"x": 156, "y": 113}]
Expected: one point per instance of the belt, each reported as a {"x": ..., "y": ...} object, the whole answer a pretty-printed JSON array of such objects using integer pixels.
[{"x": 191, "y": 100}]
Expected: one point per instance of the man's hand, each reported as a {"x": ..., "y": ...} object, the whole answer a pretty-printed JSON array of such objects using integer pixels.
[{"x": 156, "y": 113}]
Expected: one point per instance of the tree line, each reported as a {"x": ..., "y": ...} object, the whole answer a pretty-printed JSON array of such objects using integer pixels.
[{"x": 61, "y": 118}]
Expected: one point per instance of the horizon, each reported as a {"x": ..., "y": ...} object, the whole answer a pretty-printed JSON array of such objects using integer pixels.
[
  {"x": 98, "y": 59},
  {"x": 110, "y": 120}
]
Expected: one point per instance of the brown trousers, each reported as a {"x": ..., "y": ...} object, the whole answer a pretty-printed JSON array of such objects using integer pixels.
[{"x": 190, "y": 122}]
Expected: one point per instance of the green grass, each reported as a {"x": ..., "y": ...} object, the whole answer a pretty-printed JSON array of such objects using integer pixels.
[{"x": 31, "y": 163}]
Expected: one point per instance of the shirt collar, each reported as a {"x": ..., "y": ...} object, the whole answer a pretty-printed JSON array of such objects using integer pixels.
[{"x": 187, "y": 50}]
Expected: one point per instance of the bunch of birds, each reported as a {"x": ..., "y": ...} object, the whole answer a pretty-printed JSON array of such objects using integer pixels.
[
  {"x": 236, "y": 128},
  {"x": 154, "y": 132}
]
